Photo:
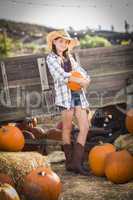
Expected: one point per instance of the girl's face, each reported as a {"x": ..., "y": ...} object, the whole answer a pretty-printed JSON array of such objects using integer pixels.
[{"x": 61, "y": 44}]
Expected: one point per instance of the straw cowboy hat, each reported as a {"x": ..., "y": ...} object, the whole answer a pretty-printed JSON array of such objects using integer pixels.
[{"x": 63, "y": 34}]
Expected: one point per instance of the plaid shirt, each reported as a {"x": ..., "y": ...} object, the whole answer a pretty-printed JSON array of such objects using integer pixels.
[{"x": 60, "y": 77}]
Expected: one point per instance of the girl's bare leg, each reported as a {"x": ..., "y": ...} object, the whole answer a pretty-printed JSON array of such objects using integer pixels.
[
  {"x": 67, "y": 116},
  {"x": 83, "y": 123}
]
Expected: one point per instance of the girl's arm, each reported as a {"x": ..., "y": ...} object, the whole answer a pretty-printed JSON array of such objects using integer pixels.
[{"x": 77, "y": 67}]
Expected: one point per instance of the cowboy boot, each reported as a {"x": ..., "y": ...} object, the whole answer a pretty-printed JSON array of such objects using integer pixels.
[
  {"x": 77, "y": 161},
  {"x": 67, "y": 148},
  {"x": 82, "y": 162}
]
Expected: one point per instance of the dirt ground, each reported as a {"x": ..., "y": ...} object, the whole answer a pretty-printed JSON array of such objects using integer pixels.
[{"x": 77, "y": 187}]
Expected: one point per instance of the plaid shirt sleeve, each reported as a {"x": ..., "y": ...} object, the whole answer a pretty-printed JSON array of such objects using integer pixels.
[
  {"x": 56, "y": 70},
  {"x": 77, "y": 67},
  {"x": 84, "y": 72}
]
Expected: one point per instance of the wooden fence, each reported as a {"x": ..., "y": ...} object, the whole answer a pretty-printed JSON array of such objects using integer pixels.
[{"x": 26, "y": 87}]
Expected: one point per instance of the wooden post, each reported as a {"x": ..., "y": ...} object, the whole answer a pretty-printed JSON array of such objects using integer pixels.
[
  {"x": 43, "y": 73},
  {"x": 5, "y": 83},
  {"x": 129, "y": 91}
]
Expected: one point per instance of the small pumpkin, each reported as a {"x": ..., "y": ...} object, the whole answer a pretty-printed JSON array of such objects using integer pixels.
[
  {"x": 7, "y": 192},
  {"x": 119, "y": 167},
  {"x": 54, "y": 134},
  {"x": 42, "y": 184},
  {"x": 11, "y": 138},
  {"x": 30, "y": 125},
  {"x": 73, "y": 85},
  {"x": 38, "y": 132},
  {"x": 4, "y": 178},
  {"x": 129, "y": 120},
  {"x": 96, "y": 158}
]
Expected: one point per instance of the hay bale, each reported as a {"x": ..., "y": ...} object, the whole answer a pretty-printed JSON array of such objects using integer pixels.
[
  {"x": 18, "y": 164},
  {"x": 56, "y": 157},
  {"x": 125, "y": 142}
]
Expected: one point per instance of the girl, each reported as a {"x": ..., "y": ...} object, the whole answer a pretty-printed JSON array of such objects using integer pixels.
[{"x": 61, "y": 63}]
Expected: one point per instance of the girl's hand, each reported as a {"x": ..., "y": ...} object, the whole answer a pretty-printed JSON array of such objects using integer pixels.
[
  {"x": 75, "y": 79},
  {"x": 84, "y": 83}
]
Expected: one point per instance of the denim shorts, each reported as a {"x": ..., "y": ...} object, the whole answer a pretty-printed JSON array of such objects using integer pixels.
[{"x": 75, "y": 101}]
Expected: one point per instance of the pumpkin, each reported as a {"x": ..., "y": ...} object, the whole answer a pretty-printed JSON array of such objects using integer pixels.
[
  {"x": 129, "y": 120},
  {"x": 4, "y": 178},
  {"x": 42, "y": 184},
  {"x": 11, "y": 138},
  {"x": 73, "y": 85},
  {"x": 7, "y": 192},
  {"x": 54, "y": 134},
  {"x": 38, "y": 132},
  {"x": 96, "y": 158},
  {"x": 119, "y": 167},
  {"x": 30, "y": 125}
]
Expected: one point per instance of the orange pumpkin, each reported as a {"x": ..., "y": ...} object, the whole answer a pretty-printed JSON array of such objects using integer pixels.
[
  {"x": 42, "y": 184},
  {"x": 73, "y": 85},
  {"x": 11, "y": 138},
  {"x": 7, "y": 192},
  {"x": 119, "y": 166},
  {"x": 4, "y": 178},
  {"x": 96, "y": 158},
  {"x": 129, "y": 120}
]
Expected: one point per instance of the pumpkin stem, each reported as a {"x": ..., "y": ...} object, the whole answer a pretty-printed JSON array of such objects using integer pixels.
[
  {"x": 42, "y": 173},
  {"x": 4, "y": 129},
  {"x": 101, "y": 142}
]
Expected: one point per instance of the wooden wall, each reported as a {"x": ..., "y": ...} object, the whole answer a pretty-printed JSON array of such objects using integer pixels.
[
  {"x": 110, "y": 69},
  {"x": 20, "y": 82}
]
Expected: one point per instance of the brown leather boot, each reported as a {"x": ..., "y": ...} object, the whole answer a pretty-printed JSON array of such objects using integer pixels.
[
  {"x": 77, "y": 161},
  {"x": 85, "y": 167},
  {"x": 68, "y": 155}
]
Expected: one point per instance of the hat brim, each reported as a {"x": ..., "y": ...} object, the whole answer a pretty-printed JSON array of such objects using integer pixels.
[
  {"x": 52, "y": 36},
  {"x": 72, "y": 42}
]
